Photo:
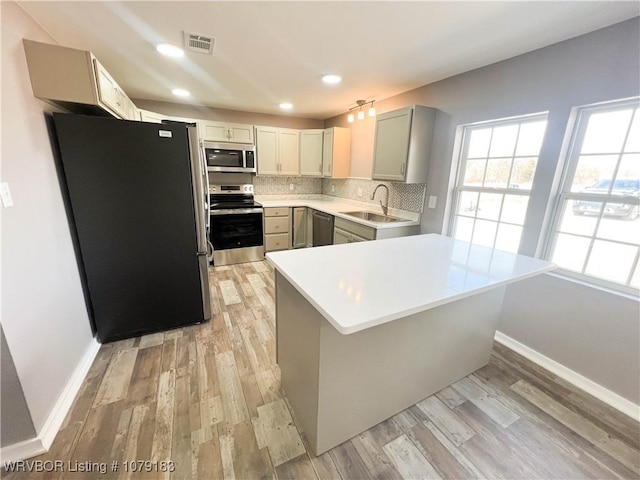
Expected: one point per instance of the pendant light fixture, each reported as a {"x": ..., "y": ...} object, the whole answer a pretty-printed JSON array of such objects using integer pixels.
[{"x": 360, "y": 104}]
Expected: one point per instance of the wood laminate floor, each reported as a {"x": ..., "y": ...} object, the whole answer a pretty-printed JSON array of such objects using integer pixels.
[{"x": 207, "y": 398}]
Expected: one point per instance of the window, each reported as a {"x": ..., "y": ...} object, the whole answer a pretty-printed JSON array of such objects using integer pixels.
[
  {"x": 497, "y": 164},
  {"x": 596, "y": 232}
]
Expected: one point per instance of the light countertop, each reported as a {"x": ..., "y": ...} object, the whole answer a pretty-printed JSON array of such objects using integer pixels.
[
  {"x": 360, "y": 285},
  {"x": 337, "y": 206}
]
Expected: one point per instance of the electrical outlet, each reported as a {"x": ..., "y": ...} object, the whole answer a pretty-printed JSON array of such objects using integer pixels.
[
  {"x": 359, "y": 192},
  {"x": 432, "y": 201},
  {"x": 291, "y": 187},
  {"x": 5, "y": 193},
  {"x": 333, "y": 188}
]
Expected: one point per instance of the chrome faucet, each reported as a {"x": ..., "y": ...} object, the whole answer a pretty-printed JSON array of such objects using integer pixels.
[{"x": 385, "y": 208}]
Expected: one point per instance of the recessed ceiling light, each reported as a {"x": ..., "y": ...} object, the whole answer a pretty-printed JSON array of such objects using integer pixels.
[
  {"x": 170, "y": 50},
  {"x": 331, "y": 79},
  {"x": 180, "y": 92},
  {"x": 286, "y": 106}
]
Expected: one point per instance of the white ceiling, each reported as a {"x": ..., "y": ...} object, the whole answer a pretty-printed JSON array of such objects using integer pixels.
[{"x": 269, "y": 52}]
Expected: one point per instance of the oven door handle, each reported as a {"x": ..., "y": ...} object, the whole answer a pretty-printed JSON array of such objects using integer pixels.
[{"x": 231, "y": 211}]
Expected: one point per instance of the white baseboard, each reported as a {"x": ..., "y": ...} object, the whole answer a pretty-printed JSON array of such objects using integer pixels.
[
  {"x": 42, "y": 443},
  {"x": 21, "y": 450},
  {"x": 583, "y": 383}
]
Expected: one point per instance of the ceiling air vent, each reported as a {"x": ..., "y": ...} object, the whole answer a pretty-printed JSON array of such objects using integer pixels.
[{"x": 198, "y": 43}]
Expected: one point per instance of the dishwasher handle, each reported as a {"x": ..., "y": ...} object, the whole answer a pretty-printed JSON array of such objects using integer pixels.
[{"x": 322, "y": 216}]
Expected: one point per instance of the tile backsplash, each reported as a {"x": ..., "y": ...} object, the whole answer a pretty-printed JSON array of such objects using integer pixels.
[
  {"x": 409, "y": 197},
  {"x": 404, "y": 196},
  {"x": 268, "y": 185}
]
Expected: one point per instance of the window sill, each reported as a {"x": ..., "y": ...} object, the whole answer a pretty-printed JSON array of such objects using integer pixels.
[{"x": 626, "y": 292}]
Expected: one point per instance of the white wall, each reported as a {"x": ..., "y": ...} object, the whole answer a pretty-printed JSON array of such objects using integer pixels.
[
  {"x": 43, "y": 310},
  {"x": 14, "y": 414},
  {"x": 592, "y": 332},
  {"x": 600, "y": 342}
]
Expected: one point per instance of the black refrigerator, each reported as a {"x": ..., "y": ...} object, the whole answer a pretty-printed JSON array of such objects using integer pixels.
[{"x": 138, "y": 211}]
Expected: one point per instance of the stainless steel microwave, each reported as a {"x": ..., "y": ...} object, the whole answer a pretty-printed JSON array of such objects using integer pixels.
[{"x": 230, "y": 157}]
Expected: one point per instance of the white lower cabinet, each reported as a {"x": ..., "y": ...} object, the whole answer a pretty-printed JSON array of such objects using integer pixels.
[
  {"x": 340, "y": 236},
  {"x": 276, "y": 229},
  {"x": 299, "y": 227},
  {"x": 345, "y": 231}
]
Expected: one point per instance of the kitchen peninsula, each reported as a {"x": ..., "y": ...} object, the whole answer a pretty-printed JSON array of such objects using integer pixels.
[{"x": 365, "y": 330}]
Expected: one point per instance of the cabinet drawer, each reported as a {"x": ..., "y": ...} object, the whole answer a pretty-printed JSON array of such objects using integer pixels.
[
  {"x": 276, "y": 211},
  {"x": 276, "y": 241},
  {"x": 276, "y": 224},
  {"x": 363, "y": 231}
]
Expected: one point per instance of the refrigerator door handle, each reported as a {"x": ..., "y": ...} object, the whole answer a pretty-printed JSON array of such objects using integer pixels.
[
  {"x": 203, "y": 162},
  {"x": 199, "y": 198}
]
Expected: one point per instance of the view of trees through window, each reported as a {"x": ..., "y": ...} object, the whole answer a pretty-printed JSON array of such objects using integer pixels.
[
  {"x": 594, "y": 233},
  {"x": 497, "y": 165}
]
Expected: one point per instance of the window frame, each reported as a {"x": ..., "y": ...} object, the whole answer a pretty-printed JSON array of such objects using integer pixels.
[
  {"x": 575, "y": 132},
  {"x": 461, "y": 154}
]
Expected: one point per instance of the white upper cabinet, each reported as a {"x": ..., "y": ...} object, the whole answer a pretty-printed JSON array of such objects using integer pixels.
[
  {"x": 267, "y": 151},
  {"x": 111, "y": 95},
  {"x": 403, "y": 143},
  {"x": 225, "y": 132},
  {"x": 151, "y": 117},
  {"x": 154, "y": 117},
  {"x": 75, "y": 80},
  {"x": 288, "y": 152},
  {"x": 311, "y": 152},
  {"x": 336, "y": 152},
  {"x": 325, "y": 153},
  {"x": 277, "y": 151}
]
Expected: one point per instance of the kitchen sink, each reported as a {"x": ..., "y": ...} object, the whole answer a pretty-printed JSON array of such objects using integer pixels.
[{"x": 374, "y": 217}]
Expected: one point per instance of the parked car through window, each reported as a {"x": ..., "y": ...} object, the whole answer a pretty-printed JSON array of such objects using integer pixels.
[{"x": 627, "y": 189}]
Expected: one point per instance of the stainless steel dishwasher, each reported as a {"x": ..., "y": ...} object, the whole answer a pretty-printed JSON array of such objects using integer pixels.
[{"x": 322, "y": 229}]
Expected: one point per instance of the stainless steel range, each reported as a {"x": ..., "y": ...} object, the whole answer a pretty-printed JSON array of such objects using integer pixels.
[{"x": 236, "y": 224}]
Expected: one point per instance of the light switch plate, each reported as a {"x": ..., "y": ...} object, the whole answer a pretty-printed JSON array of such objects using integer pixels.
[
  {"x": 432, "y": 201},
  {"x": 5, "y": 193},
  {"x": 291, "y": 187}
]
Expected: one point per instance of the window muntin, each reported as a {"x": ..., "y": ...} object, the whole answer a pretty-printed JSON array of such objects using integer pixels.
[
  {"x": 496, "y": 169},
  {"x": 596, "y": 231}
]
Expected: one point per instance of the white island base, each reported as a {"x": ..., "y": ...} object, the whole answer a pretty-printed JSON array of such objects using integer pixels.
[
  {"x": 365, "y": 330},
  {"x": 340, "y": 385}
]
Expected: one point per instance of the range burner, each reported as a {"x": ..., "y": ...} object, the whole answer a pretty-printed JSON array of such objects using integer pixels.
[{"x": 231, "y": 196}]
